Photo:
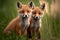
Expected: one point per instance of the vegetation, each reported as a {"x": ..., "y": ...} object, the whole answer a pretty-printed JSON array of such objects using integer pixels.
[{"x": 50, "y": 29}]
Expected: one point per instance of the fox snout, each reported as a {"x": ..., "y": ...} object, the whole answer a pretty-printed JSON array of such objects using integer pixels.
[
  {"x": 37, "y": 17},
  {"x": 23, "y": 15}
]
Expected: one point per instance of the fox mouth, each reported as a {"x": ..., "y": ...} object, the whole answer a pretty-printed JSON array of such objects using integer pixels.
[
  {"x": 37, "y": 17},
  {"x": 24, "y": 16}
]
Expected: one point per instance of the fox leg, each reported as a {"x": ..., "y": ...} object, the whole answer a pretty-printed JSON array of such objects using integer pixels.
[
  {"x": 25, "y": 31},
  {"x": 18, "y": 30},
  {"x": 38, "y": 33},
  {"x": 29, "y": 32}
]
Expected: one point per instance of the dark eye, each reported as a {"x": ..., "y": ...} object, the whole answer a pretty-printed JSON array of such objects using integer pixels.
[
  {"x": 40, "y": 13},
  {"x": 22, "y": 11},
  {"x": 34, "y": 12},
  {"x": 28, "y": 11}
]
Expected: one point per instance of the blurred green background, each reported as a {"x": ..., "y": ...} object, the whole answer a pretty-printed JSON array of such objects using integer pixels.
[{"x": 50, "y": 25}]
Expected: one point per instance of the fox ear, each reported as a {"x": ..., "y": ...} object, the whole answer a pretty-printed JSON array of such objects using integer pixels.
[
  {"x": 31, "y": 4},
  {"x": 19, "y": 4},
  {"x": 42, "y": 6}
]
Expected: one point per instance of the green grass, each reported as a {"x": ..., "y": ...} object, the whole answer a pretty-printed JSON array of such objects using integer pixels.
[{"x": 50, "y": 25}]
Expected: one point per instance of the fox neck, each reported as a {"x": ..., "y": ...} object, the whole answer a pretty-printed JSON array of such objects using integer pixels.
[
  {"x": 35, "y": 24},
  {"x": 24, "y": 22}
]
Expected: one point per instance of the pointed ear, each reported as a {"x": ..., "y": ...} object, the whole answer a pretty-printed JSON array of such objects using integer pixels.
[
  {"x": 42, "y": 6},
  {"x": 31, "y": 5},
  {"x": 19, "y": 4}
]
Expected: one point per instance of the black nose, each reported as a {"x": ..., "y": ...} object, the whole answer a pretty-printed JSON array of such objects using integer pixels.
[
  {"x": 25, "y": 15},
  {"x": 36, "y": 17}
]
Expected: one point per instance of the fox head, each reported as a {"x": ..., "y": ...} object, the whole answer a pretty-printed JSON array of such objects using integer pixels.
[
  {"x": 25, "y": 10},
  {"x": 37, "y": 12}
]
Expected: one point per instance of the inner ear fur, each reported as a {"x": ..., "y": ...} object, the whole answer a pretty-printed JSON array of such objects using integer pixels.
[
  {"x": 31, "y": 5},
  {"x": 42, "y": 6},
  {"x": 19, "y": 4}
]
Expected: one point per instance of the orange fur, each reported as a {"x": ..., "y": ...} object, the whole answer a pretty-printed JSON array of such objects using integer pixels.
[
  {"x": 11, "y": 26},
  {"x": 15, "y": 23},
  {"x": 37, "y": 11}
]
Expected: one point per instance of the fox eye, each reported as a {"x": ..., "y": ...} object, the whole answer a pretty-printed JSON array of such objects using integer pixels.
[
  {"x": 28, "y": 11},
  {"x": 40, "y": 13},
  {"x": 22, "y": 11},
  {"x": 34, "y": 12}
]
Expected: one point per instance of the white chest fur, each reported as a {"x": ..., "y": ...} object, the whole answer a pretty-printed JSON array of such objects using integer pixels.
[
  {"x": 24, "y": 23},
  {"x": 35, "y": 25}
]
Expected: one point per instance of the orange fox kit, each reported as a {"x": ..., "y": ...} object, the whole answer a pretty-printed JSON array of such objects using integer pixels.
[
  {"x": 21, "y": 22},
  {"x": 34, "y": 27}
]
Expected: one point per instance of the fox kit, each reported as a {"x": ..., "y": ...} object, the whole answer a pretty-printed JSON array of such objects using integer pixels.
[
  {"x": 34, "y": 27},
  {"x": 21, "y": 22}
]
